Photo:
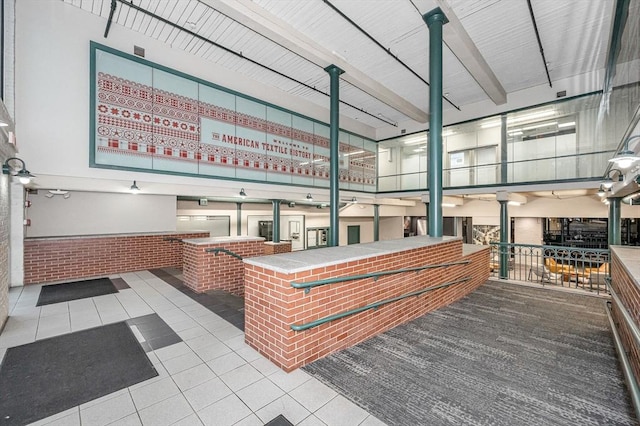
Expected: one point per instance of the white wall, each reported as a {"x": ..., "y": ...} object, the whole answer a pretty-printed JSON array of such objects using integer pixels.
[
  {"x": 528, "y": 230},
  {"x": 90, "y": 213},
  {"x": 391, "y": 228}
]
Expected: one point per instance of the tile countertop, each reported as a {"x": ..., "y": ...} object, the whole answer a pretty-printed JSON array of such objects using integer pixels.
[
  {"x": 293, "y": 262},
  {"x": 216, "y": 240},
  {"x": 630, "y": 258}
]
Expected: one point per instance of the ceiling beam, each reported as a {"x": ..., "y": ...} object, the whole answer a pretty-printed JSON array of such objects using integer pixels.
[
  {"x": 458, "y": 40},
  {"x": 273, "y": 28}
]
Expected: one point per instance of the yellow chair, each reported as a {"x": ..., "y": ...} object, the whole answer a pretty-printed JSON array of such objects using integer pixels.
[
  {"x": 556, "y": 268},
  {"x": 596, "y": 275}
]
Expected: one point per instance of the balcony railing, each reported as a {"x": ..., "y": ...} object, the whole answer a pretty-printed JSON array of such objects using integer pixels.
[{"x": 584, "y": 268}]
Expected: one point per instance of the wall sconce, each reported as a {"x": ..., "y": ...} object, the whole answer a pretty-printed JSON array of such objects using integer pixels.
[
  {"x": 309, "y": 197},
  {"x": 242, "y": 193},
  {"x": 608, "y": 182},
  {"x": 22, "y": 174},
  {"x": 354, "y": 200},
  {"x": 134, "y": 188},
  {"x": 625, "y": 158},
  {"x": 292, "y": 204}
]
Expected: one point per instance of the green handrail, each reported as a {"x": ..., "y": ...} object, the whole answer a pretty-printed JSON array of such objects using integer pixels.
[
  {"x": 217, "y": 250},
  {"x": 172, "y": 239},
  {"x": 310, "y": 284},
  {"x": 301, "y": 327}
]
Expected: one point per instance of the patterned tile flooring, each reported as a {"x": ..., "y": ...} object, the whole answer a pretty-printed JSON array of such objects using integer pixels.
[{"x": 210, "y": 378}]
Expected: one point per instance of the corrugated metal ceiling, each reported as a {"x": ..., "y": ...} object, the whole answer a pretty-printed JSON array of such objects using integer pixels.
[{"x": 574, "y": 35}]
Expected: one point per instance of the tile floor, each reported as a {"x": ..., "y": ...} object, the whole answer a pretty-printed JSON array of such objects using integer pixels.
[{"x": 210, "y": 378}]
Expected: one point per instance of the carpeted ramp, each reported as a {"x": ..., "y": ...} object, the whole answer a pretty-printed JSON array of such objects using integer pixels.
[
  {"x": 57, "y": 293},
  {"x": 58, "y": 373},
  {"x": 503, "y": 355}
]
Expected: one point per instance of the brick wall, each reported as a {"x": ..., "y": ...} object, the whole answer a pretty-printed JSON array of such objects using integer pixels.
[
  {"x": 272, "y": 305},
  {"x": 4, "y": 247},
  {"x": 60, "y": 259},
  {"x": 277, "y": 248},
  {"x": 204, "y": 271},
  {"x": 629, "y": 293}
]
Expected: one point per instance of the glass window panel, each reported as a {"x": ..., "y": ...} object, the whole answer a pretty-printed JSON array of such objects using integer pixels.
[
  {"x": 320, "y": 167},
  {"x": 279, "y": 145},
  {"x": 302, "y": 158}
]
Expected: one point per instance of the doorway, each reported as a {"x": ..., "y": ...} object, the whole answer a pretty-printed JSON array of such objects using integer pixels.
[{"x": 353, "y": 234}]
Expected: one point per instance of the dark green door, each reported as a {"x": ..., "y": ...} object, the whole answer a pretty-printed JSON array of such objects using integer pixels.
[{"x": 353, "y": 234}]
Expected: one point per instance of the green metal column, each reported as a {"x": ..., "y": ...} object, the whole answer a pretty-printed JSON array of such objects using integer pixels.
[
  {"x": 435, "y": 19},
  {"x": 334, "y": 134},
  {"x": 614, "y": 222},
  {"x": 504, "y": 232},
  {"x": 376, "y": 222},
  {"x": 504, "y": 153},
  {"x": 276, "y": 221},
  {"x": 239, "y": 219}
]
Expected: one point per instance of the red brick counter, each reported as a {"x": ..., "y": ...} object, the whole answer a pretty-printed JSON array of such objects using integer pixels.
[
  {"x": 625, "y": 281},
  {"x": 222, "y": 271},
  {"x": 272, "y": 305},
  {"x": 59, "y": 259}
]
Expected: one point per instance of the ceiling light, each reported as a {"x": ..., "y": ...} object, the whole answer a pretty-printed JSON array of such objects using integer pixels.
[
  {"x": 448, "y": 205},
  {"x": 352, "y": 153},
  {"x": 515, "y": 133},
  {"x": 532, "y": 116},
  {"x": 608, "y": 182},
  {"x": 22, "y": 174},
  {"x": 539, "y": 125},
  {"x": 416, "y": 140},
  {"x": 514, "y": 203},
  {"x": 446, "y": 133},
  {"x": 490, "y": 124},
  {"x": 625, "y": 158},
  {"x": 601, "y": 192},
  {"x": 242, "y": 193},
  {"x": 134, "y": 188},
  {"x": 3, "y": 123},
  {"x": 569, "y": 124}
]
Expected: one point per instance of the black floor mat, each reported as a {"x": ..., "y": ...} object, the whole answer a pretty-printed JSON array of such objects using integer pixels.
[
  {"x": 52, "y": 375},
  {"x": 65, "y": 292},
  {"x": 279, "y": 421},
  {"x": 226, "y": 305},
  {"x": 155, "y": 332}
]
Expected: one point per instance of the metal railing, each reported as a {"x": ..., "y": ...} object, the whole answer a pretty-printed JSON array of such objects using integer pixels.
[
  {"x": 308, "y": 285},
  {"x": 217, "y": 250},
  {"x": 172, "y": 239},
  {"x": 308, "y": 325},
  {"x": 584, "y": 268},
  {"x": 622, "y": 352}
]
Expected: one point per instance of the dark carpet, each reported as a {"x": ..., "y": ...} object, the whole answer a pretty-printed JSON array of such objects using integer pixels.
[
  {"x": 55, "y": 374},
  {"x": 65, "y": 292},
  {"x": 226, "y": 305},
  {"x": 504, "y": 355}
]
